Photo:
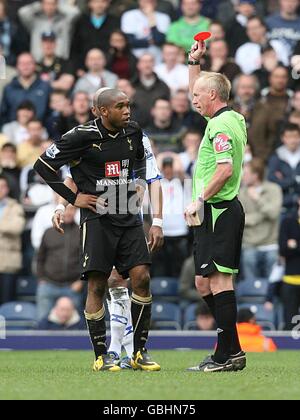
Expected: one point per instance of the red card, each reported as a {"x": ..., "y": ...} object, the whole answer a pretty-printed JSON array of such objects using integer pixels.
[{"x": 202, "y": 36}]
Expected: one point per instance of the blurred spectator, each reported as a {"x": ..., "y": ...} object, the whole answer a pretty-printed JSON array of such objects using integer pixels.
[
  {"x": 53, "y": 69},
  {"x": 250, "y": 334},
  {"x": 210, "y": 8},
  {"x": 245, "y": 91},
  {"x": 12, "y": 223},
  {"x": 174, "y": 74},
  {"x": 59, "y": 107},
  {"x": 168, "y": 261},
  {"x": 204, "y": 319},
  {"x": 285, "y": 25},
  {"x": 183, "y": 30},
  {"x": 81, "y": 113},
  {"x": 42, "y": 221},
  {"x": 164, "y": 129},
  {"x": 290, "y": 250},
  {"x": 228, "y": 9},
  {"x": 284, "y": 168},
  {"x": 58, "y": 269},
  {"x": 182, "y": 111},
  {"x": 25, "y": 86},
  {"x": 146, "y": 28},
  {"x": 29, "y": 151},
  {"x": 63, "y": 316},
  {"x": 120, "y": 60},
  {"x": 294, "y": 116},
  {"x": 10, "y": 73},
  {"x": 92, "y": 30},
  {"x": 269, "y": 113},
  {"x": 164, "y": 6},
  {"x": 8, "y": 35},
  {"x": 236, "y": 33},
  {"x": 137, "y": 113},
  {"x": 17, "y": 131},
  {"x": 217, "y": 31},
  {"x": 97, "y": 76},
  {"x": 262, "y": 202},
  {"x": 10, "y": 170},
  {"x": 269, "y": 62},
  {"x": 191, "y": 143},
  {"x": 45, "y": 16},
  {"x": 34, "y": 191},
  {"x": 218, "y": 60},
  {"x": 248, "y": 56},
  {"x": 148, "y": 86}
]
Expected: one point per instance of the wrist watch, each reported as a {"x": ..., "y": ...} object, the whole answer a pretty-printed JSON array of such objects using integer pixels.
[{"x": 193, "y": 62}]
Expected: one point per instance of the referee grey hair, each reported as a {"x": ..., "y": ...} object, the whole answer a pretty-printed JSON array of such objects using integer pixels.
[
  {"x": 105, "y": 96},
  {"x": 218, "y": 82}
]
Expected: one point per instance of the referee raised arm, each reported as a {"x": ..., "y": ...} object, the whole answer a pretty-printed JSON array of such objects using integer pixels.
[{"x": 216, "y": 214}]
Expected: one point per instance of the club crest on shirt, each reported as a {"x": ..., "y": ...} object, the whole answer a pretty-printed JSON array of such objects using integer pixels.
[
  {"x": 222, "y": 143},
  {"x": 52, "y": 151},
  {"x": 129, "y": 141}
]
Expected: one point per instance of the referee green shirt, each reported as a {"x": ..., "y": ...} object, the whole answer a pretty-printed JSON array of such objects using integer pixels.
[{"x": 224, "y": 141}]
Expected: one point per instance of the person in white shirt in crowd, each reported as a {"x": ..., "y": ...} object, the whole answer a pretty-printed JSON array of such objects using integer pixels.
[
  {"x": 49, "y": 15},
  {"x": 174, "y": 74},
  {"x": 169, "y": 260},
  {"x": 42, "y": 221},
  {"x": 97, "y": 76},
  {"x": 262, "y": 201},
  {"x": 248, "y": 56},
  {"x": 146, "y": 28}
]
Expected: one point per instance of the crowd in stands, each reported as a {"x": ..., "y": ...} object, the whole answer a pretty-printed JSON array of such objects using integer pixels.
[{"x": 59, "y": 52}]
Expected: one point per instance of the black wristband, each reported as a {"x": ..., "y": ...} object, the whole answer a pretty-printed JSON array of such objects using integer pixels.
[{"x": 193, "y": 63}]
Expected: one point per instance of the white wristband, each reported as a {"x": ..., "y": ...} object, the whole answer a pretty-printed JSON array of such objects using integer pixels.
[
  {"x": 157, "y": 222},
  {"x": 60, "y": 207}
]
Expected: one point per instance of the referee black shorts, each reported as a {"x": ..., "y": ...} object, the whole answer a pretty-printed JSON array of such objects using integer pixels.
[
  {"x": 104, "y": 246},
  {"x": 218, "y": 241}
]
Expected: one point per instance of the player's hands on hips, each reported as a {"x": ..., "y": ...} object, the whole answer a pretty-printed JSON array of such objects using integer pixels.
[
  {"x": 91, "y": 202},
  {"x": 198, "y": 50},
  {"x": 156, "y": 238}
]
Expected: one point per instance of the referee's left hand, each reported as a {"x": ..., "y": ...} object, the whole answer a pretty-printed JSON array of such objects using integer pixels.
[{"x": 156, "y": 238}]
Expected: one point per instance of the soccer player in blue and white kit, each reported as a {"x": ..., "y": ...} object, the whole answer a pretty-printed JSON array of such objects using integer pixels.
[{"x": 120, "y": 302}]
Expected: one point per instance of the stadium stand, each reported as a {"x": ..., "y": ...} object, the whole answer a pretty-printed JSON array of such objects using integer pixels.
[{"x": 43, "y": 66}]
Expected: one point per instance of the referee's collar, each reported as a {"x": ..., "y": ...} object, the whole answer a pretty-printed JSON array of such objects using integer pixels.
[{"x": 226, "y": 108}]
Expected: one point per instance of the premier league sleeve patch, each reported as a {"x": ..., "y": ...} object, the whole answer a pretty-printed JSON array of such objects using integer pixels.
[
  {"x": 52, "y": 151},
  {"x": 222, "y": 143}
]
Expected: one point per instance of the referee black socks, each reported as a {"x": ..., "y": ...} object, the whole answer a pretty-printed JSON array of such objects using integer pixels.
[
  {"x": 141, "y": 318},
  {"x": 226, "y": 318},
  {"x": 235, "y": 344},
  {"x": 97, "y": 330}
]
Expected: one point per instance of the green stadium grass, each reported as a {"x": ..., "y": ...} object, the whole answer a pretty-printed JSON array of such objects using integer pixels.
[{"x": 56, "y": 375}]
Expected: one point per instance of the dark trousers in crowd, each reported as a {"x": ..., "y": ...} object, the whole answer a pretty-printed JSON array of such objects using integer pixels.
[
  {"x": 169, "y": 260},
  {"x": 291, "y": 305},
  {"x": 7, "y": 287}
]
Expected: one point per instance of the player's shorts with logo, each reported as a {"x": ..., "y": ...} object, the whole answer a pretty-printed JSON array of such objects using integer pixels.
[
  {"x": 104, "y": 246},
  {"x": 218, "y": 241}
]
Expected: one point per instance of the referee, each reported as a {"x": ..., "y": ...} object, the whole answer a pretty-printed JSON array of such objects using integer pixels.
[{"x": 215, "y": 213}]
